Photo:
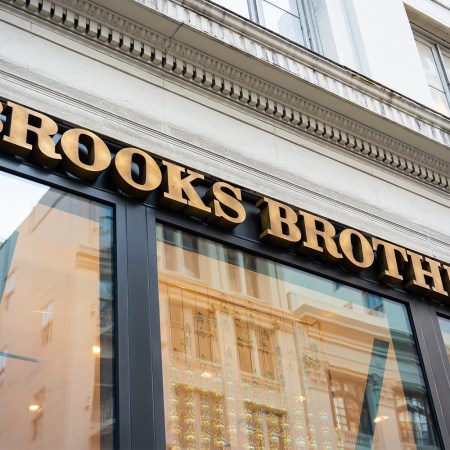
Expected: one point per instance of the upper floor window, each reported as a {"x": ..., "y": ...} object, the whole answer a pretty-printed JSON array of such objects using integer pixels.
[
  {"x": 292, "y": 19},
  {"x": 436, "y": 63}
]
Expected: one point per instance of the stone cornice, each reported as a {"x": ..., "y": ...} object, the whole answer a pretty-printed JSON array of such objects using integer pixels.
[{"x": 162, "y": 46}]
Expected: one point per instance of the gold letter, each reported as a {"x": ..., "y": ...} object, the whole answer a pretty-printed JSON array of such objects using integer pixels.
[
  {"x": 328, "y": 251},
  {"x": 357, "y": 251},
  {"x": 226, "y": 209},
  {"x": 30, "y": 130},
  {"x": 278, "y": 223},
  {"x": 180, "y": 194},
  {"x": 97, "y": 159},
  {"x": 445, "y": 273},
  {"x": 416, "y": 273},
  {"x": 148, "y": 179},
  {"x": 388, "y": 262}
]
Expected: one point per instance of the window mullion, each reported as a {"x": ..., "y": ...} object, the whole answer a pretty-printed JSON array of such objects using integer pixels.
[
  {"x": 256, "y": 9},
  {"x": 308, "y": 22},
  {"x": 442, "y": 72},
  {"x": 304, "y": 19}
]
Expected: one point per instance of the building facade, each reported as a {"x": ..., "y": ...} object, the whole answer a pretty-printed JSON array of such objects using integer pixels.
[{"x": 225, "y": 224}]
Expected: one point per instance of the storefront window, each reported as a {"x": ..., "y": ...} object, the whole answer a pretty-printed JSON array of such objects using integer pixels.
[
  {"x": 259, "y": 355},
  {"x": 445, "y": 329},
  {"x": 56, "y": 315}
]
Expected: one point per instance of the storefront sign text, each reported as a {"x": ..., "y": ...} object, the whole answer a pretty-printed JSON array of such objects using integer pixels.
[{"x": 30, "y": 134}]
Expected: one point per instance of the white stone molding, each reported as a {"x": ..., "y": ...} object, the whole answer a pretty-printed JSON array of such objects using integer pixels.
[{"x": 159, "y": 50}]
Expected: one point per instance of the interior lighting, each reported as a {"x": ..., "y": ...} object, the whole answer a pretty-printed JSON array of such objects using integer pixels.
[
  {"x": 379, "y": 419},
  {"x": 96, "y": 350},
  {"x": 206, "y": 374}
]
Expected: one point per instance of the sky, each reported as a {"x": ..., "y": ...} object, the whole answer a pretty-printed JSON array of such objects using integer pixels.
[{"x": 17, "y": 199}]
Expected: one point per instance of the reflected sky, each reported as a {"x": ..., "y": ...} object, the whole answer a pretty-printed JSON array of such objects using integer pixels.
[
  {"x": 238, "y": 6},
  {"x": 18, "y": 197}
]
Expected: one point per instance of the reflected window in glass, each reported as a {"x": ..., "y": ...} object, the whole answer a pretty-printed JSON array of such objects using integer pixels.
[
  {"x": 56, "y": 311},
  {"x": 305, "y": 362}
]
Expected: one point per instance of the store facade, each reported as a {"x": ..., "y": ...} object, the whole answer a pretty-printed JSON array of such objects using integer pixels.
[{"x": 183, "y": 270}]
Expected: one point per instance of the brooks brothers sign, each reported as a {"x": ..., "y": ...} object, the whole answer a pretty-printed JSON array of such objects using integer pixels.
[{"x": 28, "y": 134}]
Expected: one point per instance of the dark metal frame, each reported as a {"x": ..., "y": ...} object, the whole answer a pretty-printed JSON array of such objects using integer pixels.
[{"x": 139, "y": 385}]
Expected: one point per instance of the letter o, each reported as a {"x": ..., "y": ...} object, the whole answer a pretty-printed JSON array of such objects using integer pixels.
[
  {"x": 99, "y": 157},
  {"x": 150, "y": 173},
  {"x": 355, "y": 258}
]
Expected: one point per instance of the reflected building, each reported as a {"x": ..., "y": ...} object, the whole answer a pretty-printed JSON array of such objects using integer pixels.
[
  {"x": 257, "y": 355},
  {"x": 56, "y": 328}
]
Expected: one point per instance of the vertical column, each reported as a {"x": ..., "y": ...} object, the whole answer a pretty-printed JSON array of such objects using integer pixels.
[{"x": 146, "y": 387}]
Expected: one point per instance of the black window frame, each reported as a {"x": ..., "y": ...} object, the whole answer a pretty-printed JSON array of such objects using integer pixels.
[{"x": 139, "y": 400}]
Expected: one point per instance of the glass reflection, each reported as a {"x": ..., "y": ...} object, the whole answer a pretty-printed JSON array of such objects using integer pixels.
[
  {"x": 445, "y": 329},
  {"x": 281, "y": 16},
  {"x": 56, "y": 296},
  {"x": 430, "y": 66},
  {"x": 259, "y": 355},
  {"x": 446, "y": 60},
  {"x": 283, "y": 21},
  {"x": 238, "y": 6}
]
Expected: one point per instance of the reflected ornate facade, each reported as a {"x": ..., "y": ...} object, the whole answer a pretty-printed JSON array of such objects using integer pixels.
[{"x": 257, "y": 355}]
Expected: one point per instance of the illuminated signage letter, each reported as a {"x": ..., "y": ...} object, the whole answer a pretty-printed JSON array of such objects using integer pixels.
[
  {"x": 315, "y": 228},
  {"x": 227, "y": 210},
  {"x": 416, "y": 273},
  {"x": 278, "y": 223},
  {"x": 389, "y": 258},
  {"x": 356, "y": 249},
  {"x": 94, "y": 162},
  {"x": 142, "y": 183},
  {"x": 30, "y": 131},
  {"x": 445, "y": 273},
  {"x": 180, "y": 194}
]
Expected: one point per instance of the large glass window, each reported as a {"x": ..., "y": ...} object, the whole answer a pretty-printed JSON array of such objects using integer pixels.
[
  {"x": 263, "y": 356},
  {"x": 56, "y": 319}
]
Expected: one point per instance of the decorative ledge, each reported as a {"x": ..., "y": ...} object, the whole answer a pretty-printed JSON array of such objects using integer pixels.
[{"x": 163, "y": 46}]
